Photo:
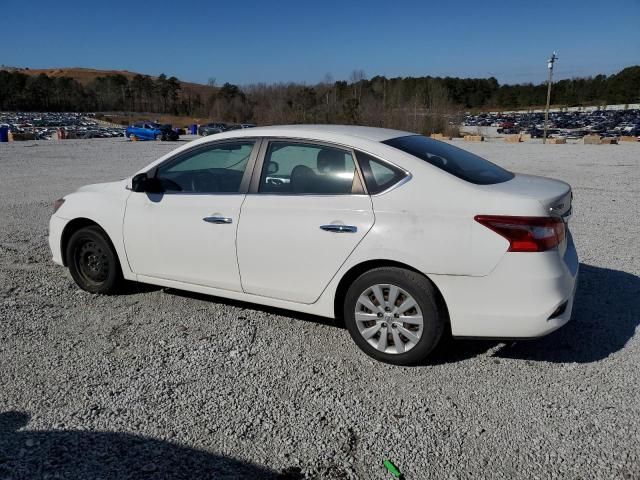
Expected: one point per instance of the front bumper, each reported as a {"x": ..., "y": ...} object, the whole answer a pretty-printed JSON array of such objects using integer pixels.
[
  {"x": 518, "y": 299},
  {"x": 56, "y": 227}
]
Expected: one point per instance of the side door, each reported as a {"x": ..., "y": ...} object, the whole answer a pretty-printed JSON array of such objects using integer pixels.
[
  {"x": 148, "y": 131},
  {"x": 188, "y": 232},
  {"x": 142, "y": 131},
  {"x": 305, "y": 213},
  {"x": 135, "y": 129}
]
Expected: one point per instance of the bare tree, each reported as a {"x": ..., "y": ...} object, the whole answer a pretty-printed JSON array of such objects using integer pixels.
[{"x": 356, "y": 78}]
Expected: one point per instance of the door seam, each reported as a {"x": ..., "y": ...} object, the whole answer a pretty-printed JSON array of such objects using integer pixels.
[
  {"x": 244, "y": 199},
  {"x": 373, "y": 212}
]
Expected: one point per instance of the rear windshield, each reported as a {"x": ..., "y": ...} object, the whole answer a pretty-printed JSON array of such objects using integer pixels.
[{"x": 454, "y": 160}]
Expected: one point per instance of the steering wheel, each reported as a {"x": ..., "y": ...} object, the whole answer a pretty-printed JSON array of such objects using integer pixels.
[{"x": 204, "y": 182}]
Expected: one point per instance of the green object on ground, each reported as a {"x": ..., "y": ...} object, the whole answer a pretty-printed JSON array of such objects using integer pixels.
[{"x": 393, "y": 470}]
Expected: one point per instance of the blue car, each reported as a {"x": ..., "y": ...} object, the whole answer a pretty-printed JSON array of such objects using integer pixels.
[{"x": 151, "y": 131}]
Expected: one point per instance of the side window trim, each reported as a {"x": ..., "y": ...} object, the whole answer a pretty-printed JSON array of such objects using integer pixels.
[
  {"x": 246, "y": 176},
  {"x": 406, "y": 177},
  {"x": 359, "y": 187}
]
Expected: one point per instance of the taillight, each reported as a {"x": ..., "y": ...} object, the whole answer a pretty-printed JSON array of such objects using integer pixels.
[{"x": 526, "y": 234}]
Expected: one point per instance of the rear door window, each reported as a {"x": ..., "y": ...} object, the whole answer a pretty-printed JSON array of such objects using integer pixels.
[{"x": 307, "y": 169}]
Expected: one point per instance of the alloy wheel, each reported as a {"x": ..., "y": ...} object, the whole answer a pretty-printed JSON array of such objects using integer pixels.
[{"x": 389, "y": 318}]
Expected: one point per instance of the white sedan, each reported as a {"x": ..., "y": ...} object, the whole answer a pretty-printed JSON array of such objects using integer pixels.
[{"x": 400, "y": 236}]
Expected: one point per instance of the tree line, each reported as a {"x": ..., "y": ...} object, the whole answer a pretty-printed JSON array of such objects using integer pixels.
[
  {"x": 417, "y": 103},
  {"x": 19, "y": 91}
]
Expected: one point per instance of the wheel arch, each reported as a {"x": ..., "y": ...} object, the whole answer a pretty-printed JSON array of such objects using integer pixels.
[
  {"x": 75, "y": 225},
  {"x": 354, "y": 272}
]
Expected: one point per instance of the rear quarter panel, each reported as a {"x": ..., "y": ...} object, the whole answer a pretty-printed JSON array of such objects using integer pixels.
[{"x": 428, "y": 223}]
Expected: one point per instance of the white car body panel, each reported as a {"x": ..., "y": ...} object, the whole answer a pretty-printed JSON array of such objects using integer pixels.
[
  {"x": 516, "y": 300},
  {"x": 283, "y": 253},
  {"x": 102, "y": 203},
  {"x": 275, "y": 254},
  {"x": 166, "y": 237}
]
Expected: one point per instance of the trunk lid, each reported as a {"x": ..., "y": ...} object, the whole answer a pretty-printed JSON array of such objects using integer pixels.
[{"x": 554, "y": 195}]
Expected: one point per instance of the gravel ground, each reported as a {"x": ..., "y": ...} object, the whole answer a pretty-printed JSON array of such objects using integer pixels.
[{"x": 164, "y": 384}]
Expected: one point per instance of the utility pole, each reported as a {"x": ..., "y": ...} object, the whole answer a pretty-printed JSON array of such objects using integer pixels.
[{"x": 546, "y": 111}]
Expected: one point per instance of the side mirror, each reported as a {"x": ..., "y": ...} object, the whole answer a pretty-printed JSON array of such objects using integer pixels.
[
  {"x": 142, "y": 183},
  {"x": 138, "y": 181}
]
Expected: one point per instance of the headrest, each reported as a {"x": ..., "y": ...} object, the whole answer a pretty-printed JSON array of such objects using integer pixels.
[{"x": 330, "y": 160}]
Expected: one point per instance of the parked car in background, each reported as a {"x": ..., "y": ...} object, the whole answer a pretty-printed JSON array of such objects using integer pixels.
[
  {"x": 211, "y": 128},
  {"x": 400, "y": 236},
  {"x": 535, "y": 132},
  {"x": 151, "y": 131},
  {"x": 591, "y": 120},
  {"x": 574, "y": 134},
  {"x": 42, "y": 126},
  {"x": 247, "y": 125},
  {"x": 169, "y": 132}
]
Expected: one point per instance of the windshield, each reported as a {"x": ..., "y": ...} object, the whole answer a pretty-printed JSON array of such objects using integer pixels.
[{"x": 453, "y": 160}]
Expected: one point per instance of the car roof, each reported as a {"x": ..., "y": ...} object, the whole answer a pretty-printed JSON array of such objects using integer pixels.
[
  {"x": 366, "y": 139},
  {"x": 319, "y": 132}
]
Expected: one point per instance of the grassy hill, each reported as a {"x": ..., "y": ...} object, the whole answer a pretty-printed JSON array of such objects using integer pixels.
[{"x": 85, "y": 76}]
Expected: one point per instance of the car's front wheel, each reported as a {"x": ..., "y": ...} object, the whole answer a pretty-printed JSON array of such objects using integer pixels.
[
  {"x": 393, "y": 315},
  {"x": 92, "y": 261}
]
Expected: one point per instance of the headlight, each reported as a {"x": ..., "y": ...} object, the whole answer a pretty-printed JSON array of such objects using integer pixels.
[{"x": 57, "y": 204}]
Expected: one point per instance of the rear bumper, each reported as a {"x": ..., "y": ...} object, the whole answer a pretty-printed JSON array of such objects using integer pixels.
[{"x": 519, "y": 299}]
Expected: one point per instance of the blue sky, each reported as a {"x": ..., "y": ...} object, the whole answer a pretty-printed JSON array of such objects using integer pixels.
[{"x": 242, "y": 41}]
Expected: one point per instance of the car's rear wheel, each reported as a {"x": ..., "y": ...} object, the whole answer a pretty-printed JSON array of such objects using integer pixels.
[
  {"x": 93, "y": 262},
  {"x": 393, "y": 315}
]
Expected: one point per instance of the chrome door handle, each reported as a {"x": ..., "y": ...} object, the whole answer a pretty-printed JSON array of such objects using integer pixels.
[
  {"x": 339, "y": 228},
  {"x": 218, "y": 220}
]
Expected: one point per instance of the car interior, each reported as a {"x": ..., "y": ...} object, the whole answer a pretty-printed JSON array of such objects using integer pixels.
[
  {"x": 288, "y": 169},
  {"x": 216, "y": 170},
  {"x": 307, "y": 170}
]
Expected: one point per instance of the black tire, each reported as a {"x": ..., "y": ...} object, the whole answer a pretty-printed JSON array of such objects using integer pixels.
[
  {"x": 424, "y": 293},
  {"x": 93, "y": 262}
]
